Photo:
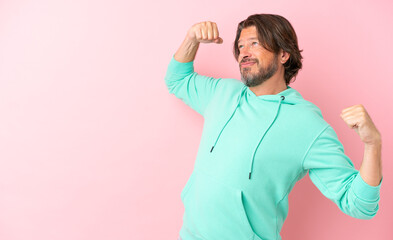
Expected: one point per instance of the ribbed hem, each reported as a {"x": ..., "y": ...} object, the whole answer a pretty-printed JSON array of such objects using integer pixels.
[
  {"x": 180, "y": 67},
  {"x": 365, "y": 191}
]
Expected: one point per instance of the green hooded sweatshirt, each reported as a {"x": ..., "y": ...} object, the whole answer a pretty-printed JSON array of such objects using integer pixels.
[{"x": 252, "y": 151}]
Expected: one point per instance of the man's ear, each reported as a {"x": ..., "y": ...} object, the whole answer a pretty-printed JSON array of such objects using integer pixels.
[{"x": 284, "y": 56}]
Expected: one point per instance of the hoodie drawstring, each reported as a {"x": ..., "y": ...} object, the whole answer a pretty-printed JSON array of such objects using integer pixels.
[
  {"x": 237, "y": 105},
  {"x": 263, "y": 135},
  {"x": 274, "y": 119}
]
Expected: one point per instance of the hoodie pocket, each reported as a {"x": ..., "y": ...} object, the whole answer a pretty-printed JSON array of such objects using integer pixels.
[{"x": 214, "y": 210}]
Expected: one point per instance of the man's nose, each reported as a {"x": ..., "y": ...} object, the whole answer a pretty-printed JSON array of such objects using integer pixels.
[{"x": 245, "y": 53}]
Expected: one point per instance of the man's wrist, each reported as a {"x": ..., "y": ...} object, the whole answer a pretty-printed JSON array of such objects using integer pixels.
[{"x": 376, "y": 143}]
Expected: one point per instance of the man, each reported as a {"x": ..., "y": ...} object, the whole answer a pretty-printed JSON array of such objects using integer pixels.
[{"x": 260, "y": 137}]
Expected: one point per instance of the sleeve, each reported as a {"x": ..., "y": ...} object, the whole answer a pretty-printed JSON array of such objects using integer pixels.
[
  {"x": 193, "y": 89},
  {"x": 333, "y": 173}
]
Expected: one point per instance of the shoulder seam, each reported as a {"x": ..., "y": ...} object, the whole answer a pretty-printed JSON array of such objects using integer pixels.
[{"x": 315, "y": 139}]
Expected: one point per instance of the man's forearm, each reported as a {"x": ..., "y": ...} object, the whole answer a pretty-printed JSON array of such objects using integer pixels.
[
  {"x": 357, "y": 118},
  {"x": 187, "y": 51},
  {"x": 371, "y": 168}
]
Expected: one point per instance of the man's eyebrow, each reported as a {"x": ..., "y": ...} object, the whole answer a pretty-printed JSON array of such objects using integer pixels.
[{"x": 248, "y": 39}]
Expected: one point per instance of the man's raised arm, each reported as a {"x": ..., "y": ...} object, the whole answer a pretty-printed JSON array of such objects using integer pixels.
[{"x": 204, "y": 32}]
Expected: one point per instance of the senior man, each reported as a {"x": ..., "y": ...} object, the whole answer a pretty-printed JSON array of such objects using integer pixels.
[{"x": 260, "y": 137}]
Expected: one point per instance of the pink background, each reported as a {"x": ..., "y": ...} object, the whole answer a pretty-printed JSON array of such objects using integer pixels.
[{"x": 92, "y": 145}]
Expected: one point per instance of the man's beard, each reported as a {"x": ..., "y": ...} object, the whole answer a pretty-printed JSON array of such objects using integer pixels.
[{"x": 251, "y": 80}]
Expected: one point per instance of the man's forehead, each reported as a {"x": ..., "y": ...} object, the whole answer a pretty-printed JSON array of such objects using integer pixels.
[{"x": 248, "y": 39}]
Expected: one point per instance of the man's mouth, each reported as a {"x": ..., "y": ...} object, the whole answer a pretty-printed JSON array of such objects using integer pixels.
[{"x": 246, "y": 64}]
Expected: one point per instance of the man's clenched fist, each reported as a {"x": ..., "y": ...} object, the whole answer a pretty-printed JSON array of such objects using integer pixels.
[
  {"x": 356, "y": 117},
  {"x": 204, "y": 32}
]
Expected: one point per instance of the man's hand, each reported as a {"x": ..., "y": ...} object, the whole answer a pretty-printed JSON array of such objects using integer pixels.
[
  {"x": 356, "y": 117},
  {"x": 204, "y": 32}
]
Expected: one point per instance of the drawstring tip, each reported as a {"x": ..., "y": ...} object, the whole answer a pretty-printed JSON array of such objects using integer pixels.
[
  {"x": 249, "y": 175},
  {"x": 211, "y": 149}
]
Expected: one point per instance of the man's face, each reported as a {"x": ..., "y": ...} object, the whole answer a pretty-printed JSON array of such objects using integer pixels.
[{"x": 255, "y": 62}]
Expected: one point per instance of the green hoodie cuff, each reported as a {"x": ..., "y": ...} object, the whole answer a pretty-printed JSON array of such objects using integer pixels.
[
  {"x": 365, "y": 191},
  {"x": 180, "y": 67}
]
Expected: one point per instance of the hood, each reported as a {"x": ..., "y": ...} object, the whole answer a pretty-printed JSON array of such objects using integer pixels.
[{"x": 288, "y": 96}]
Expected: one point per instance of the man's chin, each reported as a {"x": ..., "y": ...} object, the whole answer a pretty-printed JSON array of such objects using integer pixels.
[
  {"x": 245, "y": 81},
  {"x": 247, "y": 76}
]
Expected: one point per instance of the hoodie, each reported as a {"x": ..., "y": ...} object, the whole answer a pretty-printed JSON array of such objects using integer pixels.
[{"x": 252, "y": 151}]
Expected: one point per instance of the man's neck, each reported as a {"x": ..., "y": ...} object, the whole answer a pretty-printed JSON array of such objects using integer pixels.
[{"x": 272, "y": 86}]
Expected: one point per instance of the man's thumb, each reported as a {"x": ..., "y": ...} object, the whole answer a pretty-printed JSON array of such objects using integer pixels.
[{"x": 219, "y": 40}]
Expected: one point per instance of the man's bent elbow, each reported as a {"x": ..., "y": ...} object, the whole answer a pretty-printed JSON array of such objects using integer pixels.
[{"x": 363, "y": 213}]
